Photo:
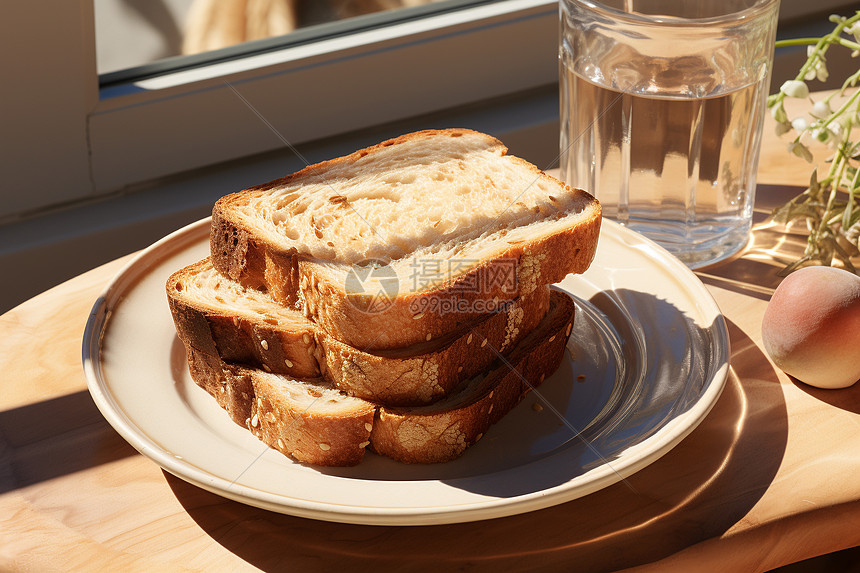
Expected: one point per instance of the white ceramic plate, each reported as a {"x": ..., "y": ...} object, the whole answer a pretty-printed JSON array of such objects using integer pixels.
[{"x": 647, "y": 360}]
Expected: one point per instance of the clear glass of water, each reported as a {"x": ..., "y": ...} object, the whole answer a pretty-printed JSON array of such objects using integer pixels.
[{"x": 662, "y": 104}]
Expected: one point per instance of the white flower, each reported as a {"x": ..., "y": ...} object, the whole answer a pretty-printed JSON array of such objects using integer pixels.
[
  {"x": 854, "y": 30},
  {"x": 835, "y": 128},
  {"x": 818, "y": 69},
  {"x": 795, "y": 88},
  {"x": 800, "y": 150},
  {"x": 778, "y": 113},
  {"x": 782, "y": 128},
  {"x": 799, "y": 124},
  {"x": 837, "y": 133},
  {"x": 831, "y": 135},
  {"x": 821, "y": 71},
  {"x": 821, "y": 109}
]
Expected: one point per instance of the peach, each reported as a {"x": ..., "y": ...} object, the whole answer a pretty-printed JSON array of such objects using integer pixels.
[{"x": 811, "y": 327}]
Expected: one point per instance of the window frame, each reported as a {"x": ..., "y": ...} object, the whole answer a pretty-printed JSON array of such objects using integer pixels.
[
  {"x": 147, "y": 129},
  {"x": 100, "y": 141}
]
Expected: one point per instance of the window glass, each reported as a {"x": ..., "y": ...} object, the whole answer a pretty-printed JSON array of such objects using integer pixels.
[{"x": 133, "y": 34}]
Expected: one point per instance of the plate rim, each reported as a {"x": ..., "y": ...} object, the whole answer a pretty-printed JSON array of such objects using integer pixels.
[{"x": 661, "y": 442}]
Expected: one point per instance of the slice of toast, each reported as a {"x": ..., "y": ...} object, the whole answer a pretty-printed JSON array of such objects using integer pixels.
[
  {"x": 222, "y": 318},
  {"x": 312, "y": 422},
  {"x": 376, "y": 247}
]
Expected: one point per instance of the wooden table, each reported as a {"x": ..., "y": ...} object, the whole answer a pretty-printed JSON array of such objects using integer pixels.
[{"x": 769, "y": 478}]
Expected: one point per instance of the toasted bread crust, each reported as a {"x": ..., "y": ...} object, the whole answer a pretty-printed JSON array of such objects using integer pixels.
[
  {"x": 538, "y": 263},
  {"x": 417, "y": 375},
  {"x": 427, "y": 377},
  {"x": 307, "y": 435},
  {"x": 432, "y": 435},
  {"x": 258, "y": 405},
  {"x": 236, "y": 338},
  {"x": 427, "y": 434},
  {"x": 231, "y": 388}
]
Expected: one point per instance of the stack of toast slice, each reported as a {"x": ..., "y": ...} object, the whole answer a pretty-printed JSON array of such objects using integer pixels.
[{"x": 396, "y": 299}]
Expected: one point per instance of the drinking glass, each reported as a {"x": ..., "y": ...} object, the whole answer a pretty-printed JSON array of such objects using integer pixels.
[{"x": 662, "y": 104}]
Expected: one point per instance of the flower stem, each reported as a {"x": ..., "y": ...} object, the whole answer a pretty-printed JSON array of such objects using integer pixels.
[{"x": 849, "y": 207}]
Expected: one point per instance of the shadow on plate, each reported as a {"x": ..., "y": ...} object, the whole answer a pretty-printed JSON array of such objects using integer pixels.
[{"x": 644, "y": 364}]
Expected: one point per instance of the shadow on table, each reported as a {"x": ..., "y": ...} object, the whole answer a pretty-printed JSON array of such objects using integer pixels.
[
  {"x": 53, "y": 438},
  {"x": 699, "y": 490},
  {"x": 844, "y": 398}
]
